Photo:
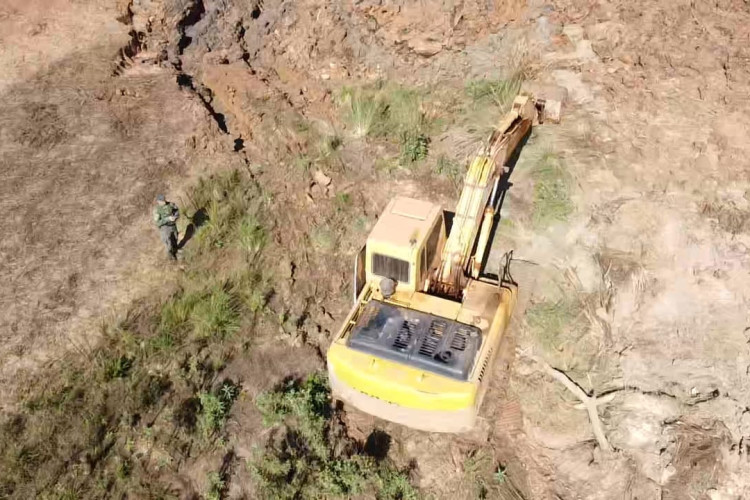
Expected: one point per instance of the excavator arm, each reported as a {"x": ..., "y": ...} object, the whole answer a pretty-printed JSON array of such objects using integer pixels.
[{"x": 466, "y": 244}]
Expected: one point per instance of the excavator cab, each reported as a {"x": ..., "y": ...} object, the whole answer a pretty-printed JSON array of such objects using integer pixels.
[{"x": 402, "y": 247}]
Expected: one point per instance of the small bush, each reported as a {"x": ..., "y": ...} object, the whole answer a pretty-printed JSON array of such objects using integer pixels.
[
  {"x": 214, "y": 408},
  {"x": 414, "y": 147}
]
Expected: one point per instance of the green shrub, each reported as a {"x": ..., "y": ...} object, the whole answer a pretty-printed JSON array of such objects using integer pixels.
[
  {"x": 117, "y": 367},
  {"x": 310, "y": 460},
  {"x": 414, "y": 147},
  {"x": 216, "y": 486},
  {"x": 214, "y": 408}
]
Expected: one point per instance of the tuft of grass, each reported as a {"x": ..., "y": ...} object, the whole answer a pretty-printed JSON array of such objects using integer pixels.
[
  {"x": 364, "y": 110},
  {"x": 487, "y": 479},
  {"x": 215, "y": 315},
  {"x": 226, "y": 200},
  {"x": 500, "y": 475},
  {"x": 386, "y": 165},
  {"x": 302, "y": 162},
  {"x": 174, "y": 319},
  {"x": 498, "y": 92},
  {"x": 343, "y": 202},
  {"x": 252, "y": 290},
  {"x": 404, "y": 110},
  {"x": 329, "y": 144},
  {"x": 117, "y": 367},
  {"x": 252, "y": 235},
  {"x": 552, "y": 201},
  {"x": 312, "y": 460}
]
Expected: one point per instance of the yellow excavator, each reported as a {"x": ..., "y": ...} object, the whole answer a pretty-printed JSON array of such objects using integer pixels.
[{"x": 427, "y": 320}]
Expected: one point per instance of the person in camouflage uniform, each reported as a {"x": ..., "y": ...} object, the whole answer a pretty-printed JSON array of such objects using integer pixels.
[{"x": 166, "y": 214}]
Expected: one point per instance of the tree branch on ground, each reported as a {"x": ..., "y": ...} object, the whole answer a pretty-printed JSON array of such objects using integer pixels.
[{"x": 589, "y": 402}]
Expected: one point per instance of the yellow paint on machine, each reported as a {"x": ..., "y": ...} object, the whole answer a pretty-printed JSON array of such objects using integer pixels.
[
  {"x": 414, "y": 388},
  {"x": 399, "y": 384}
]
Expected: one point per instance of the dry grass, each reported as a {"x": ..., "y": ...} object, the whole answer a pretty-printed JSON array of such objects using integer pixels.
[
  {"x": 552, "y": 203},
  {"x": 727, "y": 216}
]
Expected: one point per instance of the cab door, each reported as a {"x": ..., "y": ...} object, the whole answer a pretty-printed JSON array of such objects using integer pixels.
[{"x": 360, "y": 274}]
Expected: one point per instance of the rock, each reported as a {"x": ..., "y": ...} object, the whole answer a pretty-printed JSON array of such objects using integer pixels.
[
  {"x": 667, "y": 473},
  {"x": 425, "y": 47},
  {"x": 321, "y": 179}
]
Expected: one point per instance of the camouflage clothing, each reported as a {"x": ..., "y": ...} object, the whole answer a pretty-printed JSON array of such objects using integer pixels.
[
  {"x": 163, "y": 214},
  {"x": 165, "y": 217}
]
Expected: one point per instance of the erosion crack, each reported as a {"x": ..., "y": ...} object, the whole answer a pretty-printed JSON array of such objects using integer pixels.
[{"x": 205, "y": 95}]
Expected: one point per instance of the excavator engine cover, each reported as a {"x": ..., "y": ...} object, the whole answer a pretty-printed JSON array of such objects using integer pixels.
[{"x": 417, "y": 339}]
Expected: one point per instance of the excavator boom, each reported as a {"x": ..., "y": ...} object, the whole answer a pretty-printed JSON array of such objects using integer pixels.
[{"x": 475, "y": 210}]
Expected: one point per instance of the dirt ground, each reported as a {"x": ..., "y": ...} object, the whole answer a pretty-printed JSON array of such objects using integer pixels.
[{"x": 106, "y": 104}]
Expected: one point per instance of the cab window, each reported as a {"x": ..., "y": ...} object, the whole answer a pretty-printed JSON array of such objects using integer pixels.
[{"x": 390, "y": 267}]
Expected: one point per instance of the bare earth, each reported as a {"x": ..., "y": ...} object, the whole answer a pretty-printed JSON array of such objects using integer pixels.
[{"x": 655, "y": 137}]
